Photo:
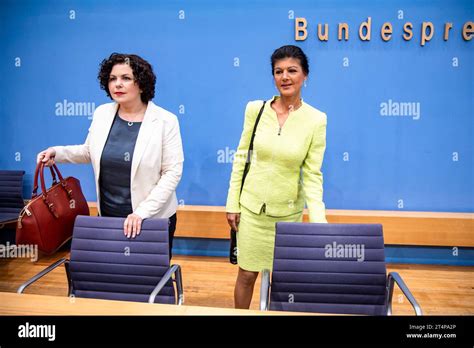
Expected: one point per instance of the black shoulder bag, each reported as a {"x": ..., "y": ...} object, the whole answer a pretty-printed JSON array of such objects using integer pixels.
[{"x": 233, "y": 233}]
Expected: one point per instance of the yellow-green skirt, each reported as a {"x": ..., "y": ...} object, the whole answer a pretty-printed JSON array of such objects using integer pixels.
[{"x": 256, "y": 239}]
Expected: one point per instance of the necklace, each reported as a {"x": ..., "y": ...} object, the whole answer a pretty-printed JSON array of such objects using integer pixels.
[
  {"x": 131, "y": 123},
  {"x": 292, "y": 108}
]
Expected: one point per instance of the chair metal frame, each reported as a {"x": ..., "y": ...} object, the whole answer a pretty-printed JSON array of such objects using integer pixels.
[
  {"x": 392, "y": 279},
  {"x": 8, "y": 223},
  {"x": 174, "y": 269}
]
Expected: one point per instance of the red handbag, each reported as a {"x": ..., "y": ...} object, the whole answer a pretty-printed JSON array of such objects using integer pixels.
[{"x": 48, "y": 219}]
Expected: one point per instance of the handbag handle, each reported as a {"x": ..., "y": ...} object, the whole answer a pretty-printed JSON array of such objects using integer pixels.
[
  {"x": 35, "y": 180},
  {"x": 63, "y": 182},
  {"x": 40, "y": 170}
]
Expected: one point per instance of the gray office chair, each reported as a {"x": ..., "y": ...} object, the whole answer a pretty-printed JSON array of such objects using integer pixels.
[
  {"x": 330, "y": 268},
  {"x": 11, "y": 196},
  {"x": 105, "y": 264}
]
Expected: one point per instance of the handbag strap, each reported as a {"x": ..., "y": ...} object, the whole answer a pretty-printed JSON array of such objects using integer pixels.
[
  {"x": 35, "y": 180},
  {"x": 39, "y": 173},
  {"x": 44, "y": 194},
  {"x": 249, "y": 153}
]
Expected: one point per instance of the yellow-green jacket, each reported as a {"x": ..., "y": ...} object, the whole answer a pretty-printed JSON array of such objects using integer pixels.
[{"x": 285, "y": 170}]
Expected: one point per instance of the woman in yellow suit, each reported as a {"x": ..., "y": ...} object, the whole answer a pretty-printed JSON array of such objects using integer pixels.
[{"x": 285, "y": 170}]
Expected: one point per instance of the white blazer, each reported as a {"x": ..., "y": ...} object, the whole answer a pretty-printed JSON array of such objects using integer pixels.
[{"x": 157, "y": 162}]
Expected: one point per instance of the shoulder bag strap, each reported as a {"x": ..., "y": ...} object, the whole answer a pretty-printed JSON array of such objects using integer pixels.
[{"x": 249, "y": 153}]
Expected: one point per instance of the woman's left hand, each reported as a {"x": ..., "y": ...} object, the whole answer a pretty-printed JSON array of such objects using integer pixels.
[{"x": 132, "y": 225}]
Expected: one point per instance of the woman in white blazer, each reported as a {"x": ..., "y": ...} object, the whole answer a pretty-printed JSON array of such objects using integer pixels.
[{"x": 134, "y": 146}]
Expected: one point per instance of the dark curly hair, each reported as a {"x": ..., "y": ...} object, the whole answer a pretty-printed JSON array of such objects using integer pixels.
[
  {"x": 290, "y": 51},
  {"x": 142, "y": 72}
]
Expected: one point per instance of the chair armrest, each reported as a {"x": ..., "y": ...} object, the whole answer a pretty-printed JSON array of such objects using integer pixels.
[
  {"x": 394, "y": 277},
  {"x": 8, "y": 223},
  {"x": 44, "y": 272},
  {"x": 176, "y": 270},
  {"x": 265, "y": 290},
  {"x": 179, "y": 284}
]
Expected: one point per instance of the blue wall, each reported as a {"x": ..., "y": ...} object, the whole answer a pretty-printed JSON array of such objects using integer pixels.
[{"x": 50, "y": 54}]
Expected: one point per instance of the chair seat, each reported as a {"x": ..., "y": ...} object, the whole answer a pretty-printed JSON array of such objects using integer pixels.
[{"x": 11, "y": 194}]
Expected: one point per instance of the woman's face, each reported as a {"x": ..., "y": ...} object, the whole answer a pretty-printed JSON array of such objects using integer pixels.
[
  {"x": 122, "y": 85},
  {"x": 289, "y": 76}
]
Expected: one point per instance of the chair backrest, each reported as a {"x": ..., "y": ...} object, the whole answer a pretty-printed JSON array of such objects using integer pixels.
[
  {"x": 329, "y": 268},
  {"x": 104, "y": 264},
  {"x": 11, "y": 194}
]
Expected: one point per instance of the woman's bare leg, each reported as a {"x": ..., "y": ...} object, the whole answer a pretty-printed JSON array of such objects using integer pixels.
[{"x": 244, "y": 288}]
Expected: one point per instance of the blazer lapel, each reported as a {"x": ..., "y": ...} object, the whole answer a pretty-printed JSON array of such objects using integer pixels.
[
  {"x": 108, "y": 118},
  {"x": 144, "y": 135}
]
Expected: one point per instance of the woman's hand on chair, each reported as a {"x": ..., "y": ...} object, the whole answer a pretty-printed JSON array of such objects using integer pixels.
[
  {"x": 132, "y": 225},
  {"x": 47, "y": 157},
  {"x": 233, "y": 220}
]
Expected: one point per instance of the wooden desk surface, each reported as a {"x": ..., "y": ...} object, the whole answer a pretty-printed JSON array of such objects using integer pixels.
[{"x": 28, "y": 304}]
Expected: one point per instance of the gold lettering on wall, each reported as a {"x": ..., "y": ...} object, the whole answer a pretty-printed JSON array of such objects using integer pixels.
[
  {"x": 325, "y": 36},
  {"x": 368, "y": 26},
  {"x": 467, "y": 31},
  {"x": 386, "y": 31},
  {"x": 408, "y": 29},
  {"x": 424, "y": 35},
  {"x": 447, "y": 28},
  {"x": 300, "y": 26},
  {"x": 343, "y": 27}
]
